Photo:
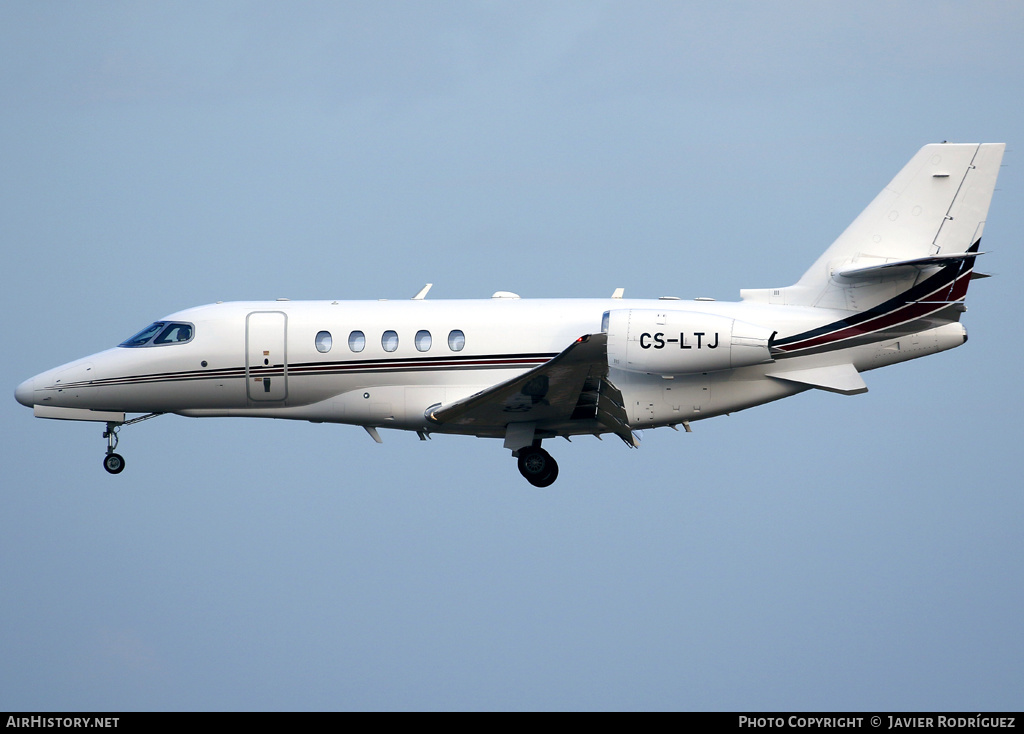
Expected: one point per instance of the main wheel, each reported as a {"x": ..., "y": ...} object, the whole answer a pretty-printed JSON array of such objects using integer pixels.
[
  {"x": 537, "y": 466},
  {"x": 113, "y": 463},
  {"x": 548, "y": 479}
]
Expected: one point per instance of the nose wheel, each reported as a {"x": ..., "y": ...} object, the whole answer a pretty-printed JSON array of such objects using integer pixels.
[
  {"x": 537, "y": 466},
  {"x": 113, "y": 463}
]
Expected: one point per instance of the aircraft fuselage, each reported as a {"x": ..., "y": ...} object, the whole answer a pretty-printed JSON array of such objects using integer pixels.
[{"x": 264, "y": 359}]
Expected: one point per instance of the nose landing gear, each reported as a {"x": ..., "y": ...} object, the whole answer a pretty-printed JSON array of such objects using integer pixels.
[
  {"x": 114, "y": 463},
  {"x": 537, "y": 466}
]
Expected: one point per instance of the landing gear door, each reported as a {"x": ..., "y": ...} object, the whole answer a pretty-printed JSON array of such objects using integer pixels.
[{"x": 266, "y": 361}]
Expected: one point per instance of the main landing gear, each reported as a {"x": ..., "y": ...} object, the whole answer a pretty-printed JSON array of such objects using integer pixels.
[
  {"x": 114, "y": 463},
  {"x": 537, "y": 466}
]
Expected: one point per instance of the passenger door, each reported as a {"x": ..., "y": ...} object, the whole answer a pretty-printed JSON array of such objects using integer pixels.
[{"x": 266, "y": 363}]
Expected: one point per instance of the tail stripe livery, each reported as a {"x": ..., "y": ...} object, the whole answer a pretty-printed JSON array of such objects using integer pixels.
[{"x": 929, "y": 297}]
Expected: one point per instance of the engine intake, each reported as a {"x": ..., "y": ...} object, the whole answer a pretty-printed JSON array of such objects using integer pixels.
[{"x": 683, "y": 342}]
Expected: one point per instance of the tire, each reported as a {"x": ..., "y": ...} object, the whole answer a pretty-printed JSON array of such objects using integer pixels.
[
  {"x": 548, "y": 479},
  {"x": 533, "y": 462},
  {"x": 113, "y": 463},
  {"x": 537, "y": 466}
]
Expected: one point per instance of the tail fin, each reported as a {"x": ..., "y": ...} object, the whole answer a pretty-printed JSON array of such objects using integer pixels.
[{"x": 928, "y": 220}]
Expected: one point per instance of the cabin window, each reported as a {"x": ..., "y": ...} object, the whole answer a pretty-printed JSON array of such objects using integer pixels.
[
  {"x": 389, "y": 340},
  {"x": 357, "y": 341},
  {"x": 324, "y": 342},
  {"x": 456, "y": 340},
  {"x": 161, "y": 333},
  {"x": 422, "y": 340}
]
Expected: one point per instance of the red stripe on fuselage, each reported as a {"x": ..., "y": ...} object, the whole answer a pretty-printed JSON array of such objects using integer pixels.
[{"x": 901, "y": 314}]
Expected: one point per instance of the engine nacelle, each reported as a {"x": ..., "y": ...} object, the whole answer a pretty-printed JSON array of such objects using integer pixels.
[{"x": 683, "y": 342}]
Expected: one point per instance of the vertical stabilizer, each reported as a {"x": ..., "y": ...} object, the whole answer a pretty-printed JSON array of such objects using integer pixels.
[{"x": 935, "y": 207}]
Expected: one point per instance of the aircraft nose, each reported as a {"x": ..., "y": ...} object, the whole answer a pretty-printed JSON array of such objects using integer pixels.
[{"x": 25, "y": 394}]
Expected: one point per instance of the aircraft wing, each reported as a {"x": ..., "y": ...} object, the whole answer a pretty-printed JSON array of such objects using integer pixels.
[{"x": 572, "y": 385}]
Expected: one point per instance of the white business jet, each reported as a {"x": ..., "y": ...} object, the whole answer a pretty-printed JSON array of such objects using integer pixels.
[{"x": 890, "y": 289}]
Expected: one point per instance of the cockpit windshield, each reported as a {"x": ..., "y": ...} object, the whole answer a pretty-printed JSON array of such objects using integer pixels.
[{"x": 160, "y": 333}]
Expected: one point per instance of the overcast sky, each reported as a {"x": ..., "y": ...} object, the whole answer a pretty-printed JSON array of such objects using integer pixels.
[{"x": 824, "y": 552}]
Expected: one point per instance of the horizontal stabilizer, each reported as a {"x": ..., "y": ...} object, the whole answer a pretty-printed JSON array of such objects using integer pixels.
[
  {"x": 840, "y": 378},
  {"x": 898, "y": 268}
]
